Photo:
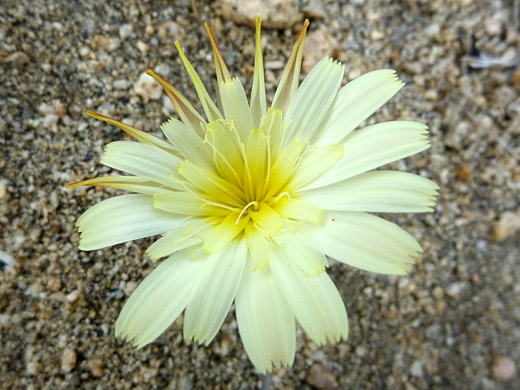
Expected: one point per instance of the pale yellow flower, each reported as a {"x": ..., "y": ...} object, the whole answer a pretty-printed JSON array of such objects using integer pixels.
[{"x": 251, "y": 200}]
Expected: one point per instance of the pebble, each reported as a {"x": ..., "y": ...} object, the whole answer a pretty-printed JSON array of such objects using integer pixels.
[
  {"x": 454, "y": 289},
  {"x": 102, "y": 42},
  {"x": 3, "y": 190},
  {"x": 416, "y": 369},
  {"x": 276, "y": 14},
  {"x": 142, "y": 47},
  {"x": 503, "y": 368},
  {"x": 54, "y": 284},
  {"x": 321, "y": 377},
  {"x": 147, "y": 88},
  {"x": 18, "y": 59},
  {"x": 170, "y": 31},
  {"x": 68, "y": 360},
  {"x": 314, "y": 10},
  {"x": 7, "y": 259},
  {"x": 96, "y": 367},
  {"x": 319, "y": 43},
  {"x": 125, "y": 30},
  {"x": 73, "y": 296},
  {"x": 507, "y": 226}
]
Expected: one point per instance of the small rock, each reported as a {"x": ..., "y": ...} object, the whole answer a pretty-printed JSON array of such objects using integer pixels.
[
  {"x": 142, "y": 47},
  {"x": 503, "y": 368},
  {"x": 314, "y": 10},
  {"x": 463, "y": 172},
  {"x": 507, "y": 225},
  {"x": 3, "y": 190},
  {"x": 438, "y": 292},
  {"x": 121, "y": 84},
  {"x": 416, "y": 369},
  {"x": 170, "y": 31},
  {"x": 125, "y": 31},
  {"x": 319, "y": 44},
  {"x": 147, "y": 88},
  {"x": 96, "y": 367},
  {"x": 6, "y": 260},
  {"x": 276, "y": 14},
  {"x": 376, "y": 35},
  {"x": 54, "y": 284},
  {"x": 18, "y": 59},
  {"x": 454, "y": 289},
  {"x": 321, "y": 378},
  {"x": 73, "y": 296},
  {"x": 68, "y": 360},
  {"x": 129, "y": 288},
  {"x": 105, "y": 43},
  {"x": 33, "y": 368}
]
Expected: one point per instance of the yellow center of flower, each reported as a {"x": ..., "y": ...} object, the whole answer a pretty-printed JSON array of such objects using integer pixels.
[{"x": 245, "y": 182}]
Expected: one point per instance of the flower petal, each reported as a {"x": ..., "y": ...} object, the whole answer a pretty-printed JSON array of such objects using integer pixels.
[
  {"x": 377, "y": 191},
  {"x": 188, "y": 143},
  {"x": 210, "y": 108},
  {"x": 126, "y": 183},
  {"x": 367, "y": 242},
  {"x": 142, "y": 160},
  {"x": 139, "y": 135},
  {"x": 259, "y": 245},
  {"x": 265, "y": 322},
  {"x": 314, "y": 164},
  {"x": 191, "y": 231},
  {"x": 258, "y": 104},
  {"x": 212, "y": 301},
  {"x": 179, "y": 202},
  {"x": 122, "y": 218},
  {"x": 235, "y": 106},
  {"x": 303, "y": 250},
  {"x": 298, "y": 209},
  {"x": 374, "y": 146},
  {"x": 312, "y": 100},
  {"x": 160, "y": 298},
  {"x": 356, "y": 102},
  {"x": 223, "y": 233},
  {"x": 188, "y": 114},
  {"x": 314, "y": 300},
  {"x": 291, "y": 73}
]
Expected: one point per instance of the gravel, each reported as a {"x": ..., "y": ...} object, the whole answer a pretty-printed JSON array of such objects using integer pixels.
[{"x": 453, "y": 323}]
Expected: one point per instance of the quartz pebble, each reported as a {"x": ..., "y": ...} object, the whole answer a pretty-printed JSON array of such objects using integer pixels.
[{"x": 276, "y": 14}]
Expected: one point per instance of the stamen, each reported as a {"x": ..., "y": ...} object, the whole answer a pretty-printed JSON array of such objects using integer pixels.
[
  {"x": 248, "y": 189},
  {"x": 259, "y": 228},
  {"x": 216, "y": 151},
  {"x": 280, "y": 196},
  {"x": 208, "y": 203},
  {"x": 255, "y": 208}
]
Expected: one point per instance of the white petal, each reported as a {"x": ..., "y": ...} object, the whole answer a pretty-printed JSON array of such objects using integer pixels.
[
  {"x": 191, "y": 231},
  {"x": 377, "y": 191},
  {"x": 235, "y": 106},
  {"x": 123, "y": 218},
  {"x": 374, "y": 146},
  {"x": 142, "y": 160},
  {"x": 265, "y": 322},
  {"x": 303, "y": 250},
  {"x": 211, "y": 303},
  {"x": 314, "y": 300},
  {"x": 160, "y": 298},
  {"x": 309, "y": 105},
  {"x": 188, "y": 143},
  {"x": 367, "y": 242},
  {"x": 356, "y": 102}
]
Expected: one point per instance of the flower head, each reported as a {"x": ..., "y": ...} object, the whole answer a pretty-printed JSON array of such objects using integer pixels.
[{"x": 250, "y": 200}]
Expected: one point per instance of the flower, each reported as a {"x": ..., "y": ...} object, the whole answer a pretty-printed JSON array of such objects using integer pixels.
[{"x": 251, "y": 200}]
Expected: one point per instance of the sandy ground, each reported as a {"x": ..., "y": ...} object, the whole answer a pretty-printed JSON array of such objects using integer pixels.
[{"x": 453, "y": 323}]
